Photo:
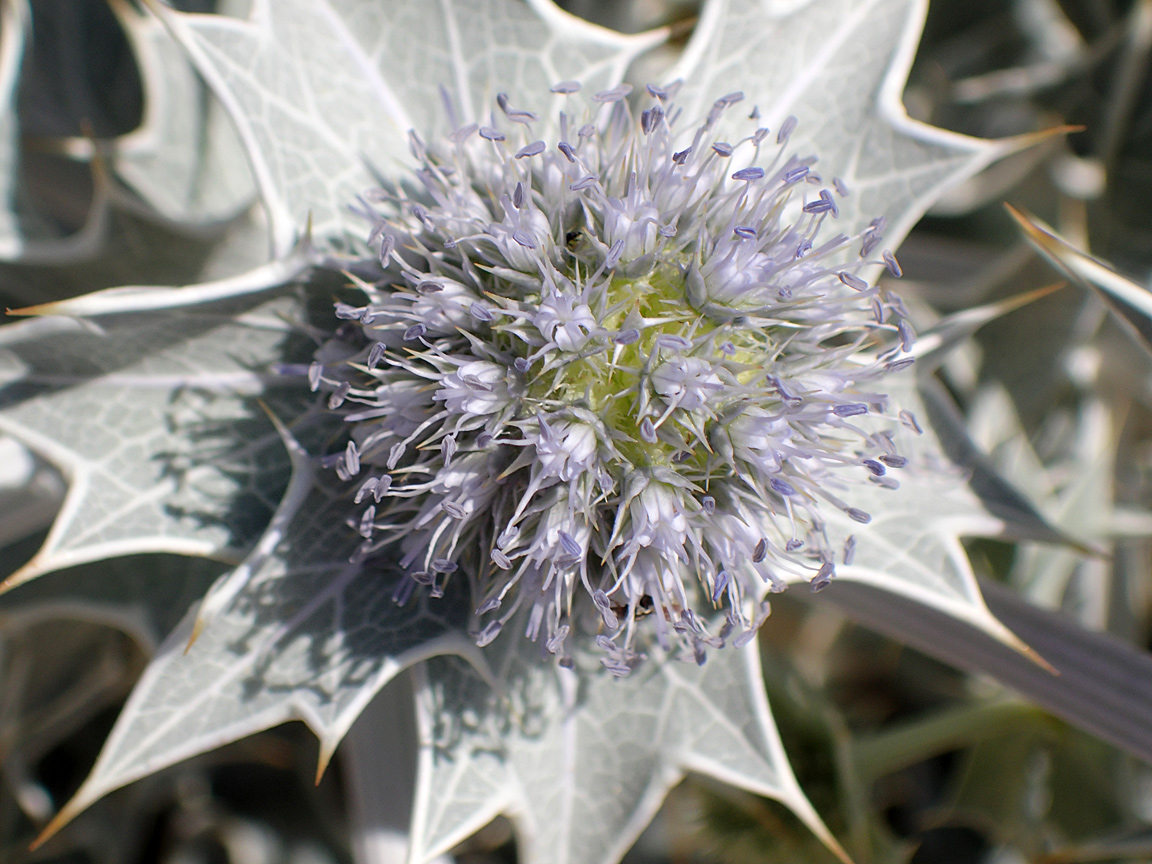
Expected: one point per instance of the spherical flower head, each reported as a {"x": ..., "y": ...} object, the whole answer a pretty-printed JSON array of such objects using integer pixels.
[{"x": 617, "y": 374}]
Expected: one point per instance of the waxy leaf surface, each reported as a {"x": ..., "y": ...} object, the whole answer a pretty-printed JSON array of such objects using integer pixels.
[
  {"x": 582, "y": 760},
  {"x": 325, "y": 93}
]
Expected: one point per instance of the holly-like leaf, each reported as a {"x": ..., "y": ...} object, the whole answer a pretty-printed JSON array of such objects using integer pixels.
[
  {"x": 185, "y": 161},
  {"x": 27, "y": 234},
  {"x": 144, "y": 597},
  {"x": 912, "y": 545},
  {"x": 582, "y": 760},
  {"x": 839, "y": 67},
  {"x": 151, "y": 418},
  {"x": 309, "y": 636},
  {"x": 325, "y": 93}
]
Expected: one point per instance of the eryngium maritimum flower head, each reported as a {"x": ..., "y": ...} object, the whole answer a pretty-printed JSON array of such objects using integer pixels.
[{"x": 624, "y": 366}]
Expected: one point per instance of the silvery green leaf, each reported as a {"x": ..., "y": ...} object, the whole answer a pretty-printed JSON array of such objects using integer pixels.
[
  {"x": 185, "y": 161},
  {"x": 582, "y": 760},
  {"x": 324, "y": 93},
  {"x": 839, "y": 67},
  {"x": 144, "y": 597},
  {"x": 152, "y": 420},
  {"x": 30, "y": 492},
  {"x": 912, "y": 546},
  {"x": 25, "y": 234},
  {"x": 1075, "y": 491},
  {"x": 1092, "y": 680},
  {"x": 1022, "y": 520},
  {"x": 1130, "y": 303},
  {"x": 309, "y": 636},
  {"x": 152, "y": 298}
]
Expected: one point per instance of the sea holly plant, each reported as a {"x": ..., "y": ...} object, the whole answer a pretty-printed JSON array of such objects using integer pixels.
[{"x": 612, "y": 362}]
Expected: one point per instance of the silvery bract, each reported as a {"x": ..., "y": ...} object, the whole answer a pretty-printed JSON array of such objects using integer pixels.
[{"x": 620, "y": 365}]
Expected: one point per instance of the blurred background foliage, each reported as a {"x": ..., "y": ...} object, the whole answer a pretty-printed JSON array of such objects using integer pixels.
[{"x": 907, "y": 759}]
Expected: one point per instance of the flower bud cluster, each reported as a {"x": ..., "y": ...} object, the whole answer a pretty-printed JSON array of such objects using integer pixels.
[{"x": 618, "y": 374}]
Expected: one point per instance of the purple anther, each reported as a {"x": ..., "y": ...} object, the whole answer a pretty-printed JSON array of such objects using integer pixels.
[
  {"x": 792, "y": 175},
  {"x": 488, "y": 635},
  {"x": 907, "y": 336},
  {"x": 826, "y": 196},
  {"x": 387, "y": 247},
  {"x": 614, "y": 254},
  {"x": 752, "y": 173},
  {"x": 376, "y": 354},
  {"x": 852, "y": 281},
  {"x": 782, "y": 486},
  {"x": 566, "y": 87},
  {"x": 673, "y": 342},
  {"x": 650, "y": 119},
  {"x": 892, "y": 264},
  {"x": 722, "y": 579},
  {"x": 850, "y": 409},
  {"x": 453, "y": 509},
  {"x": 533, "y": 149},
  {"x": 849, "y": 550},
  {"x": 605, "y": 606},
  {"x": 570, "y": 545},
  {"x": 613, "y": 95},
  {"x": 627, "y": 337},
  {"x": 822, "y": 579},
  {"x": 489, "y": 605},
  {"x": 368, "y": 487},
  {"x": 339, "y": 395},
  {"x": 786, "y": 129}
]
